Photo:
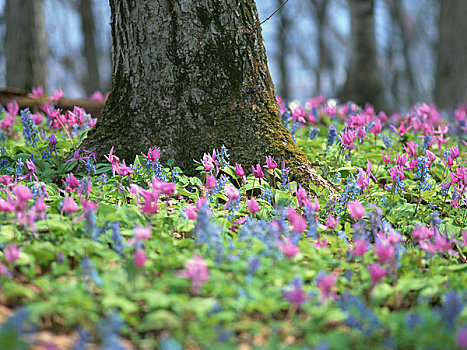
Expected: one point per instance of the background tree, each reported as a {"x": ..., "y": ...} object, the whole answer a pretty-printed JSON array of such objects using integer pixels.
[
  {"x": 451, "y": 72},
  {"x": 363, "y": 83},
  {"x": 283, "y": 50},
  {"x": 25, "y": 44},
  {"x": 189, "y": 77},
  {"x": 91, "y": 80}
]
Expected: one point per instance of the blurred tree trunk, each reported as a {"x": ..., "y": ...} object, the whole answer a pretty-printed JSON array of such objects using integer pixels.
[
  {"x": 320, "y": 9},
  {"x": 396, "y": 9},
  {"x": 188, "y": 77},
  {"x": 92, "y": 80},
  {"x": 282, "y": 33},
  {"x": 25, "y": 44},
  {"x": 451, "y": 72},
  {"x": 363, "y": 82}
]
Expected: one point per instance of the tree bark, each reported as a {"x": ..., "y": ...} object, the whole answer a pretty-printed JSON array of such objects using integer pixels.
[
  {"x": 190, "y": 76},
  {"x": 25, "y": 44},
  {"x": 92, "y": 80},
  {"x": 363, "y": 82},
  {"x": 451, "y": 73}
]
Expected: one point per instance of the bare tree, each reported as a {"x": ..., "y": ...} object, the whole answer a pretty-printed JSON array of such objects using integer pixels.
[
  {"x": 324, "y": 59},
  {"x": 92, "y": 79},
  {"x": 25, "y": 44},
  {"x": 363, "y": 82},
  {"x": 451, "y": 73}
]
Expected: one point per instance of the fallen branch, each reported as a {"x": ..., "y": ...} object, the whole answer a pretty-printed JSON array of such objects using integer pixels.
[{"x": 9, "y": 94}]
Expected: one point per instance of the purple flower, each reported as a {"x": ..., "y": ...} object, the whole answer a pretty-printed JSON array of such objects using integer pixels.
[
  {"x": 461, "y": 338},
  {"x": 296, "y": 295}
]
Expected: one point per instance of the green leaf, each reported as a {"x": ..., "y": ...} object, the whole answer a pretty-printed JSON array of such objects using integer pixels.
[{"x": 160, "y": 319}]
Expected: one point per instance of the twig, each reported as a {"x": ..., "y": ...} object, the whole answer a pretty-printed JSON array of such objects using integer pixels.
[{"x": 267, "y": 19}]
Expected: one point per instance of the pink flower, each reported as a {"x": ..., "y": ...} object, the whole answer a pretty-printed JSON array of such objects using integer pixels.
[
  {"x": 196, "y": 271},
  {"x": 211, "y": 181},
  {"x": 385, "y": 253},
  {"x": 348, "y": 139},
  {"x": 112, "y": 159},
  {"x": 288, "y": 248},
  {"x": 71, "y": 183},
  {"x": 30, "y": 172},
  {"x": 23, "y": 194},
  {"x": 57, "y": 95},
  {"x": 124, "y": 170},
  {"x": 387, "y": 157},
  {"x": 376, "y": 273},
  {"x": 167, "y": 188},
  {"x": 191, "y": 213},
  {"x": 37, "y": 118},
  {"x": 37, "y": 92},
  {"x": 252, "y": 206},
  {"x": 422, "y": 232},
  {"x": 142, "y": 233},
  {"x": 302, "y": 196},
  {"x": 150, "y": 205},
  {"x": 401, "y": 159},
  {"x": 411, "y": 148},
  {"x": 11, "y": 253},
  {"x": 258, "y": 172},
  {"x": 377, "y": 127},
  {"x": 69, "y": 205},
  {"x": 232, "y": 194},
  {"x": 298, "y": 114},
  {"x": 97, "y": 96},
  {"x": 356, "y": 210},
  {"x": 454, "y": 152},
  {"x": 12, "y": 110},
  {"x": 325, "y": 284},
  {"x": 239, "y": 170},
  {"x": 331, "y": 223},
  {"x": 402, "y": 130},
  {"x": 6, "y": 180},
  {"x": 6, "y": 207},
  {"x": 314, "y": 206},
  {"x": 140, "y": 258},
  {"x": 270, "y": 163},
  {"x": 360, "y": 247},
  {"x": 362, "y": 180},
  {"x": 298, "y": 222},
  {"x": 153, "y": 154},
  {"x": 208, "y": 162}
]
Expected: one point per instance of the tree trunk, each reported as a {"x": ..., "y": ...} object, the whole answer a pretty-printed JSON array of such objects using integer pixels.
[
  {"x": 190, "y": 76},
  {"x": 92, "y": 80},
  {"x": 25, "y": 44},
  {"x": 363, "y": 82},
  {"x": 282, "y": 52},
  {"x": 451, "y": 73},
  {"x": 320, "y": 9}
]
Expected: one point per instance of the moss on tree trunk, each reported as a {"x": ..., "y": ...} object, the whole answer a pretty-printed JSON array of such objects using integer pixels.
[{"x": 190, "y": 76}]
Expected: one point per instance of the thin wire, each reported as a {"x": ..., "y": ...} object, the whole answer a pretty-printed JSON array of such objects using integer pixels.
[{"x": 286, "y": 1}]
